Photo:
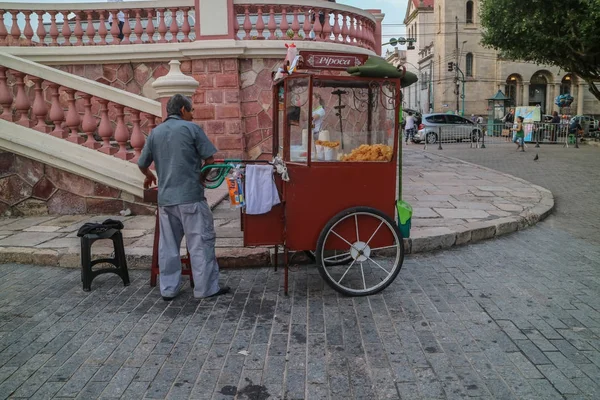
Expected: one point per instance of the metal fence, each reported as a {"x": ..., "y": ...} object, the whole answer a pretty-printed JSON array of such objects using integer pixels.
[{"x": 482, "y": 135}]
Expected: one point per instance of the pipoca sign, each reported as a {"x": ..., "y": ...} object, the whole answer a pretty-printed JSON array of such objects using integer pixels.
[{"x": 316, "y": 60}]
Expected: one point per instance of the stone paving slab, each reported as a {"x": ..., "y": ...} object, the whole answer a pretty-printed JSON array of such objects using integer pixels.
[
  {"x": 516, "y": 317},
  {"x": 454, "y": 203}
]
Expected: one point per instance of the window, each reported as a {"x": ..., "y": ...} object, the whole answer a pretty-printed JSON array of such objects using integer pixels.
[
  {"x": 455, "y": 119},
  {"x": 469, "y": 64},
  {"x": 424, "y": 80},
  {"x": 437, "y": 119},
  {"x": 565, "y": 85},
  {"x": 469, "y": 12}
]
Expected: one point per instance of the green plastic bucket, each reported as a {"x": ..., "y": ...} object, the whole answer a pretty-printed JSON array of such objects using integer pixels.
[{"x": 404, "y": 217}]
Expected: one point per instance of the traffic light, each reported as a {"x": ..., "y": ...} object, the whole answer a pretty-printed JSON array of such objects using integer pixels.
[{"x": 450, "y": 66}]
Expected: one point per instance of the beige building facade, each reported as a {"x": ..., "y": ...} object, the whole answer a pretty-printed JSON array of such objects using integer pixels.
[{"x": 450, "y": 31}]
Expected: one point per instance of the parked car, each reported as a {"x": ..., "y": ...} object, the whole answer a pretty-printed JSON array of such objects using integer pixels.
[
  {"x": 453, "y": 127},
  {"x": 593, "y": 124}
]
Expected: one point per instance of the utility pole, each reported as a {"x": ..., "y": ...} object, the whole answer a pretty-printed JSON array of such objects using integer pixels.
[{"x": 457, "y": 91}]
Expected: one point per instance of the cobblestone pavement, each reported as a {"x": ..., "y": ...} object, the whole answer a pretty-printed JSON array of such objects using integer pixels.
[
  {"x": 570, "y": 174},
  {"x": 512, "y": 317}
]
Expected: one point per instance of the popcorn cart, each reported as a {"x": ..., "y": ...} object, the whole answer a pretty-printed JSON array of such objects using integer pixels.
[{"x": 336, "y": 172}]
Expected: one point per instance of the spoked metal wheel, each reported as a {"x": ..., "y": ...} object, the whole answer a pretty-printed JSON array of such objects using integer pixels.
[
  {"x": 374, "y": 244},
  {"x": 332, "y": 258}
]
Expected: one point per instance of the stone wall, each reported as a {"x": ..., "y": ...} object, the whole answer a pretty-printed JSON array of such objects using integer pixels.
[{"x": 28, "y": 187}]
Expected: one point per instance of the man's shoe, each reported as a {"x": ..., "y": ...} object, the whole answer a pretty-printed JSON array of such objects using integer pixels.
[
  {"x": 223, "y": 290},
  {"x": 177, "y": 291}
]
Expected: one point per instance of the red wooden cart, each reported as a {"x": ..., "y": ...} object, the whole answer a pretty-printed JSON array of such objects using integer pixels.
[{"x": 339, "y": 204}]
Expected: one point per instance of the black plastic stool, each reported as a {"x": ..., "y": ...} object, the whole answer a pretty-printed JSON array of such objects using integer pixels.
[{"x": 120, "y": 263}]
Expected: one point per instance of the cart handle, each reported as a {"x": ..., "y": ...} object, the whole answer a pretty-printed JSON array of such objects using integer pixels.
[{"x": 223, "y": 167}]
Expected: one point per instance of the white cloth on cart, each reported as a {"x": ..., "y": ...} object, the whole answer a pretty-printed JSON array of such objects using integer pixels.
[{"x": 260, "y": 189}]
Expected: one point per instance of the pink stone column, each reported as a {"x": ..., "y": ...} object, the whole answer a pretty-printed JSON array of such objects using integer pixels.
[
  {"x": 3, "y": 31},
  {"x": 89, "y": 123},
  {"x": 105, "y": 129},
  {"x": 73, "y": 120},
  {"x": 121, "y": 134},
  {"x": 6, "y": 96},
  {"x": 28, "y": 31},
  {"x": 378, "y": 21},
  {"x": 22, "y": 104},
  {"x": 137, "y": 137},
  {"x": 57, "y": 114},
  {"x": 39, "y": 109}
]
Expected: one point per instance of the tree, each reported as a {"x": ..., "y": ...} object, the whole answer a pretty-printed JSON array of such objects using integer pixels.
[{"x": 563, "y": 33}]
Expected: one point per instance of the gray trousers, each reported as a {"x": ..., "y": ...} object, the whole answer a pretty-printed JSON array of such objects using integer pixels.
[{"x": 195, "y": 221}]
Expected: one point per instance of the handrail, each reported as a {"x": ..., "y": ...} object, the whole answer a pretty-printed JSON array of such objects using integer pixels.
[{"x": 81, "y": 84}]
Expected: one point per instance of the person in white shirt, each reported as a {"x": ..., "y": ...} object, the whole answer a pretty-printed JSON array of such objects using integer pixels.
[
  {"x": 121, "y": 18},
  {"x": 318, "y": 113},
  {"x": 409, "y": 128}
]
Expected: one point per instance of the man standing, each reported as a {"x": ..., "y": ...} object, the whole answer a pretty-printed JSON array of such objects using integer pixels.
[
  {"x": 409, "y": 128},
  {"x": 178, "y": 149}
]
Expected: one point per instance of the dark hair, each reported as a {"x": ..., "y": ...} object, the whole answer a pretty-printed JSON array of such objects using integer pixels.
[
  {"x": 410, "y": 113},
  {"x": 176, "y": 102},
  {"x": 521, "y": 118},
  {"x": 555, "y": 114}
]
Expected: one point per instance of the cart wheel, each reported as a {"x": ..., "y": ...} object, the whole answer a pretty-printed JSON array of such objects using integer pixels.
[
  {"x": 372, "y": 240},
  {"x": 333, "y": 259}
]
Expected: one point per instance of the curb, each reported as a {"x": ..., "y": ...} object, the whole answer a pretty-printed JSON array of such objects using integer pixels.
[
  {"x": 476, "y": 231},
  {"x": 428, "y": 239}
]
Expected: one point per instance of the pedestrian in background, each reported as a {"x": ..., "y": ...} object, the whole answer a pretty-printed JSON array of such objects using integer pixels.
[
  {"x": 519, "y": 134},
  {"x": 409, "y": 127}
]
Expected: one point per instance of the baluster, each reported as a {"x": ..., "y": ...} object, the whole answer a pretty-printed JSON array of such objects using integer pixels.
[
  {"x": 39, "y": 109},
  {"x": 359, "y": 32},
  {"x": 162, "y": 27},
  {"x": 150, "y": 27},
  {"x": 105, "y": 129},
  {"x": 66, "y": 29},
  {"x": 126, "y": 28},
  {"x": 73, "y": 119},
  {"x": 102, "y": 31},
  {"x": 89, "y": 123},
  {"x": 337, "y": 30},
  {"x": 284, "y": 26},
  {"x": 121, "y": 134},
  {"x": 173, "y": 28},
  {"x": 28, "y": 31},
  {"x": 296, "y": 24},
  {"x": 138, "y": 29},
  {"x": 345, "y": 30},
  {"x": 137, "y": 137},
  {"x": 53, "y": 28},
  {"x": 247, "y": 23},
  {"x": 6, "y": 96},
  {"x": 186, "y": 25},
  {"x": 272, "y": 26},
  {"x": 41, "y": 30},
  {"x": 307, "y": 26},
  {"x": 326, "y": 27},
  {"x": 15, "y": 32},
  {"x": 151, "y": 121},
  {"x": 22, "y": 103},
  {"x": 57, "y": 114},
  {"x": 3, "y": 31},
  {"x": 78, "y": 29},
  {"x": 114, "y": 29},
  {"x": 352, "y": 29},
  {"x": 371, "y": 33},
  {"x": 260, "y": 24},
  {"x": 90, "y": 31},
  {"x": 317, "y": 27}
]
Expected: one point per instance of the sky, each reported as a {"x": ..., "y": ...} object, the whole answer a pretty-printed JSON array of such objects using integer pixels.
[{"x": 394, "y": 11}]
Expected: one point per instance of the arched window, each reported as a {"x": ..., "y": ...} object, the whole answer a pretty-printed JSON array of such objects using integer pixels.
[
  {"x": 469, "y": 12},
  {"x": 511, "y": 88},
  {"x": 565, "y": 85},
  {"x": 469, "y": 64}
]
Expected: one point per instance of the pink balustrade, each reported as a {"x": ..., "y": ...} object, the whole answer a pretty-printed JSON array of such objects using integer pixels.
[
  {"x": 173, "y": 24},
  {"x": 66, "y": 113},
  {"x": 296, "y": 22},
  {"x": 71, "y": 27}
]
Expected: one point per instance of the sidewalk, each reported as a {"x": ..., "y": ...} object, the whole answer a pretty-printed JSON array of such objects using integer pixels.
[{"x": 454, "y": 203}]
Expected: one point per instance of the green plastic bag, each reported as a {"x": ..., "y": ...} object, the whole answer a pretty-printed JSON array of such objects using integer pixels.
[{"x": 404, "y": 216}]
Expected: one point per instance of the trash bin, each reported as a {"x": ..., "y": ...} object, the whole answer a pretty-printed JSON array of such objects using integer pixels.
[{"x": 404, "y": 217}]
